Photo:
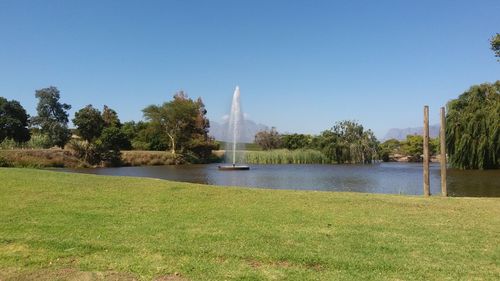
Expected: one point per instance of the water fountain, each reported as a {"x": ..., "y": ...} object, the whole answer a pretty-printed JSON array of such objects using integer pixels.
[{"x": 235, "y": 133}]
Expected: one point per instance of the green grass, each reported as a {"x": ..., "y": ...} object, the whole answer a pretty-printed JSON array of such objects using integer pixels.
[
  {"x": 285, "y": 156},
  {"x": 83, "y": 227}
]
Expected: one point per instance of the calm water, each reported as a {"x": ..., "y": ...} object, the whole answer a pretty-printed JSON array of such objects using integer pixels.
[{"x": 398, "y": 178}]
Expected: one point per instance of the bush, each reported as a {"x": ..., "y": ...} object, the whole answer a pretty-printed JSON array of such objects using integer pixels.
[
  {"x": 4, "y": 162},
  {"x": 39, "y": 158},
  {"x": 8, "y": 144},
  {"x": 38, "y": 141},
  {"x": 90, "y": 153}
]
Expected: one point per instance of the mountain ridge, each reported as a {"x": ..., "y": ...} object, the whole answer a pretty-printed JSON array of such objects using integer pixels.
[{"x": 401, "y": 133}]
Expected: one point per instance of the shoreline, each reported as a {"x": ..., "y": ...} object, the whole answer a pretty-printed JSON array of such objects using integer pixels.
[{"x": 63, "y": 158}]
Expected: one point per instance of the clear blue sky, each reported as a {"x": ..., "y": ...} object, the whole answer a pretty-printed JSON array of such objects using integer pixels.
[{"x": 301, "y": 65}]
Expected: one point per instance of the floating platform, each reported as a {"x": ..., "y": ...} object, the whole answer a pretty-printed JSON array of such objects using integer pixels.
[{"x": 234, "y": 168}]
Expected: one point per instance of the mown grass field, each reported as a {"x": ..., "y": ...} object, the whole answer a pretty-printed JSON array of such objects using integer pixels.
[{"x": 84, "y": 227}]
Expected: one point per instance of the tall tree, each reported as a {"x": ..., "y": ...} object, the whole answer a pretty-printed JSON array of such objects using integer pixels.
[
  {"x": 413, "y": 147},
  {"x": 145, "y": 135},
  {"x": 473, "y": 128},
  {"x": 52, "y": 116},
  {"x": 296, "y": 141},
  {"x": 348, "y": 142},
  {"x": 110, "y": 117},
  {"x": 268, "y": 139},
  {"x": 495, "y": 45},
  {"x": 182, "y": 120},
  {"x": 89, "y": 123},
  {"x": 13, "y": 121}
]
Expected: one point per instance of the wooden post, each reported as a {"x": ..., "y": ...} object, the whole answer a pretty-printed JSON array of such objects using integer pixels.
[
  {"x": 442, "y": 158},
  {"x": 427, "y": 189}
]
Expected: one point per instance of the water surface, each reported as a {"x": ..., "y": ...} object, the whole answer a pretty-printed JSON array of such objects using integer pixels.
[{"x": 394, "y": 178}]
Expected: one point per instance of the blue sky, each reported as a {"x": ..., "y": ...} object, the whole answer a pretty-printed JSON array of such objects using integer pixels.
[{"x": 301, "y": 65}]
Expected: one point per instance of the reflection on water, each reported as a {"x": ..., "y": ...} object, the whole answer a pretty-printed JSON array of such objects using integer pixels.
[{"x": 398, "y": 178}]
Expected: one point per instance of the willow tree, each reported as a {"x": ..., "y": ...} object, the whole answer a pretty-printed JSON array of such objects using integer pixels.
[
  {"x": 348, "y": 142},
  {"x": 473, "y": 128}
]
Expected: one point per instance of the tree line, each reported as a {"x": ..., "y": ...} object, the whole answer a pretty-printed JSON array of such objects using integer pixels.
[
  {"x": 346, "y": 142},
  {"x": 179, "y": 125}
]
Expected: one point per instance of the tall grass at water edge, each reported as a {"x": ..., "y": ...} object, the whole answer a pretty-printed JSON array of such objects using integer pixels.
[{"x": 285, "y": 156}]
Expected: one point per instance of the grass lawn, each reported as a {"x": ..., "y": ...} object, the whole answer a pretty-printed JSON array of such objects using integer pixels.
[{"x": 85, "y": 227}]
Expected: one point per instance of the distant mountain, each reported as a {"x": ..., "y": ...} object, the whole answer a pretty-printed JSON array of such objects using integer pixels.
[
  {"x": 400, "y": 134},
  {"x": 219, "y": 130}
]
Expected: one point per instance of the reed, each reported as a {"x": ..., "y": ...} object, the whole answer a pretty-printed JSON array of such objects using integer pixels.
[
  {"x": 285, "y": 156},
  {"x": 148, "y": 158},
  {"x": 38, "y": 158}
]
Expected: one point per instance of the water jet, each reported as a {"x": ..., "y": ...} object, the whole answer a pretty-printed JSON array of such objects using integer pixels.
[{"x": 235, "y": 132}]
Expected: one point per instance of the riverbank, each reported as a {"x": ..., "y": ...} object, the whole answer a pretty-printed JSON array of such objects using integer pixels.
[
  {"x": 75, "y": 226},
  {"x": 59, "y": 158},
  {"x": 63, "y": 158}
]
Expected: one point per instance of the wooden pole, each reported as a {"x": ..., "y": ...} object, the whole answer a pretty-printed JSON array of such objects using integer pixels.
[
  {"x": 442, "y": 158},
  {"x": 427, "y": 189}
]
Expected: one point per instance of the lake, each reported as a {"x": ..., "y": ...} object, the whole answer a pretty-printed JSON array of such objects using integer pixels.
[{"x": 392, "y": 178}]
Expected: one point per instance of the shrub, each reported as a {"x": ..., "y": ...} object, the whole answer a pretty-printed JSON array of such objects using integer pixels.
[
  {"x": 4, "y": 162},
  {"x": 38, "y": 141}
]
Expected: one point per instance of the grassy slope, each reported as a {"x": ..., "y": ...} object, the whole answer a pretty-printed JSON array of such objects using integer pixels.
[{"x": 57, "y": 224}]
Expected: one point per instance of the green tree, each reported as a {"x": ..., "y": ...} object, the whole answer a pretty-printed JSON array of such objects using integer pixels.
[
  {"x": 110, "y": 117},
  {"x": 328, "y": 142},
  {"x": 268, "y": 139},
  {"x": 296, "y": 141},
  {"x": 388, "y": 148},
  {"x": 434, "y": 146},
  {"x": 354, "y": 144},
  {"x": 182, "y": 120},
  {"x": 52, "y": 116},
  {"x": 13, "y": 121},
  {"x": 101, "y": 144},
  {"x": 473, "y": 128},
  {"x": 413, "y": 147},
  {"x": 200, "y": 144},
  {"x": 111, "y": 142},
  {"x": 495, "y": 45},
  {"x": 89, "y": 123},
  {"x": 348, "y": 142}
]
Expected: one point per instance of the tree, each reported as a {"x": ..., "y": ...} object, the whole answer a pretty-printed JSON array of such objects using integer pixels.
[
  {"x": 201, "y": 144},
  {"x": 101, "y": 144},
  {"x": 13, "y": 121},
  {"x": 110, "y": 117},
  {"x": 354, "y": 145},
  {"x": 388, "y": 148},
  {"x": 182, "y": 120},
  {"x": 473, "y": 128},
  {"x": 495, "y": 45},
  {"x": 89, "y": 123},
  {"x": 52, "y": 116},
  {"x": 296, "y": 141},
  {"x": 268, "y": 140},
  {"x": 348, "y": 142},
  {"x": 413, "y": 147},
  {"x": 111, "y": 142},
  {"x": 145, "y": 135},
  {"x": 113, "y": 138}
]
